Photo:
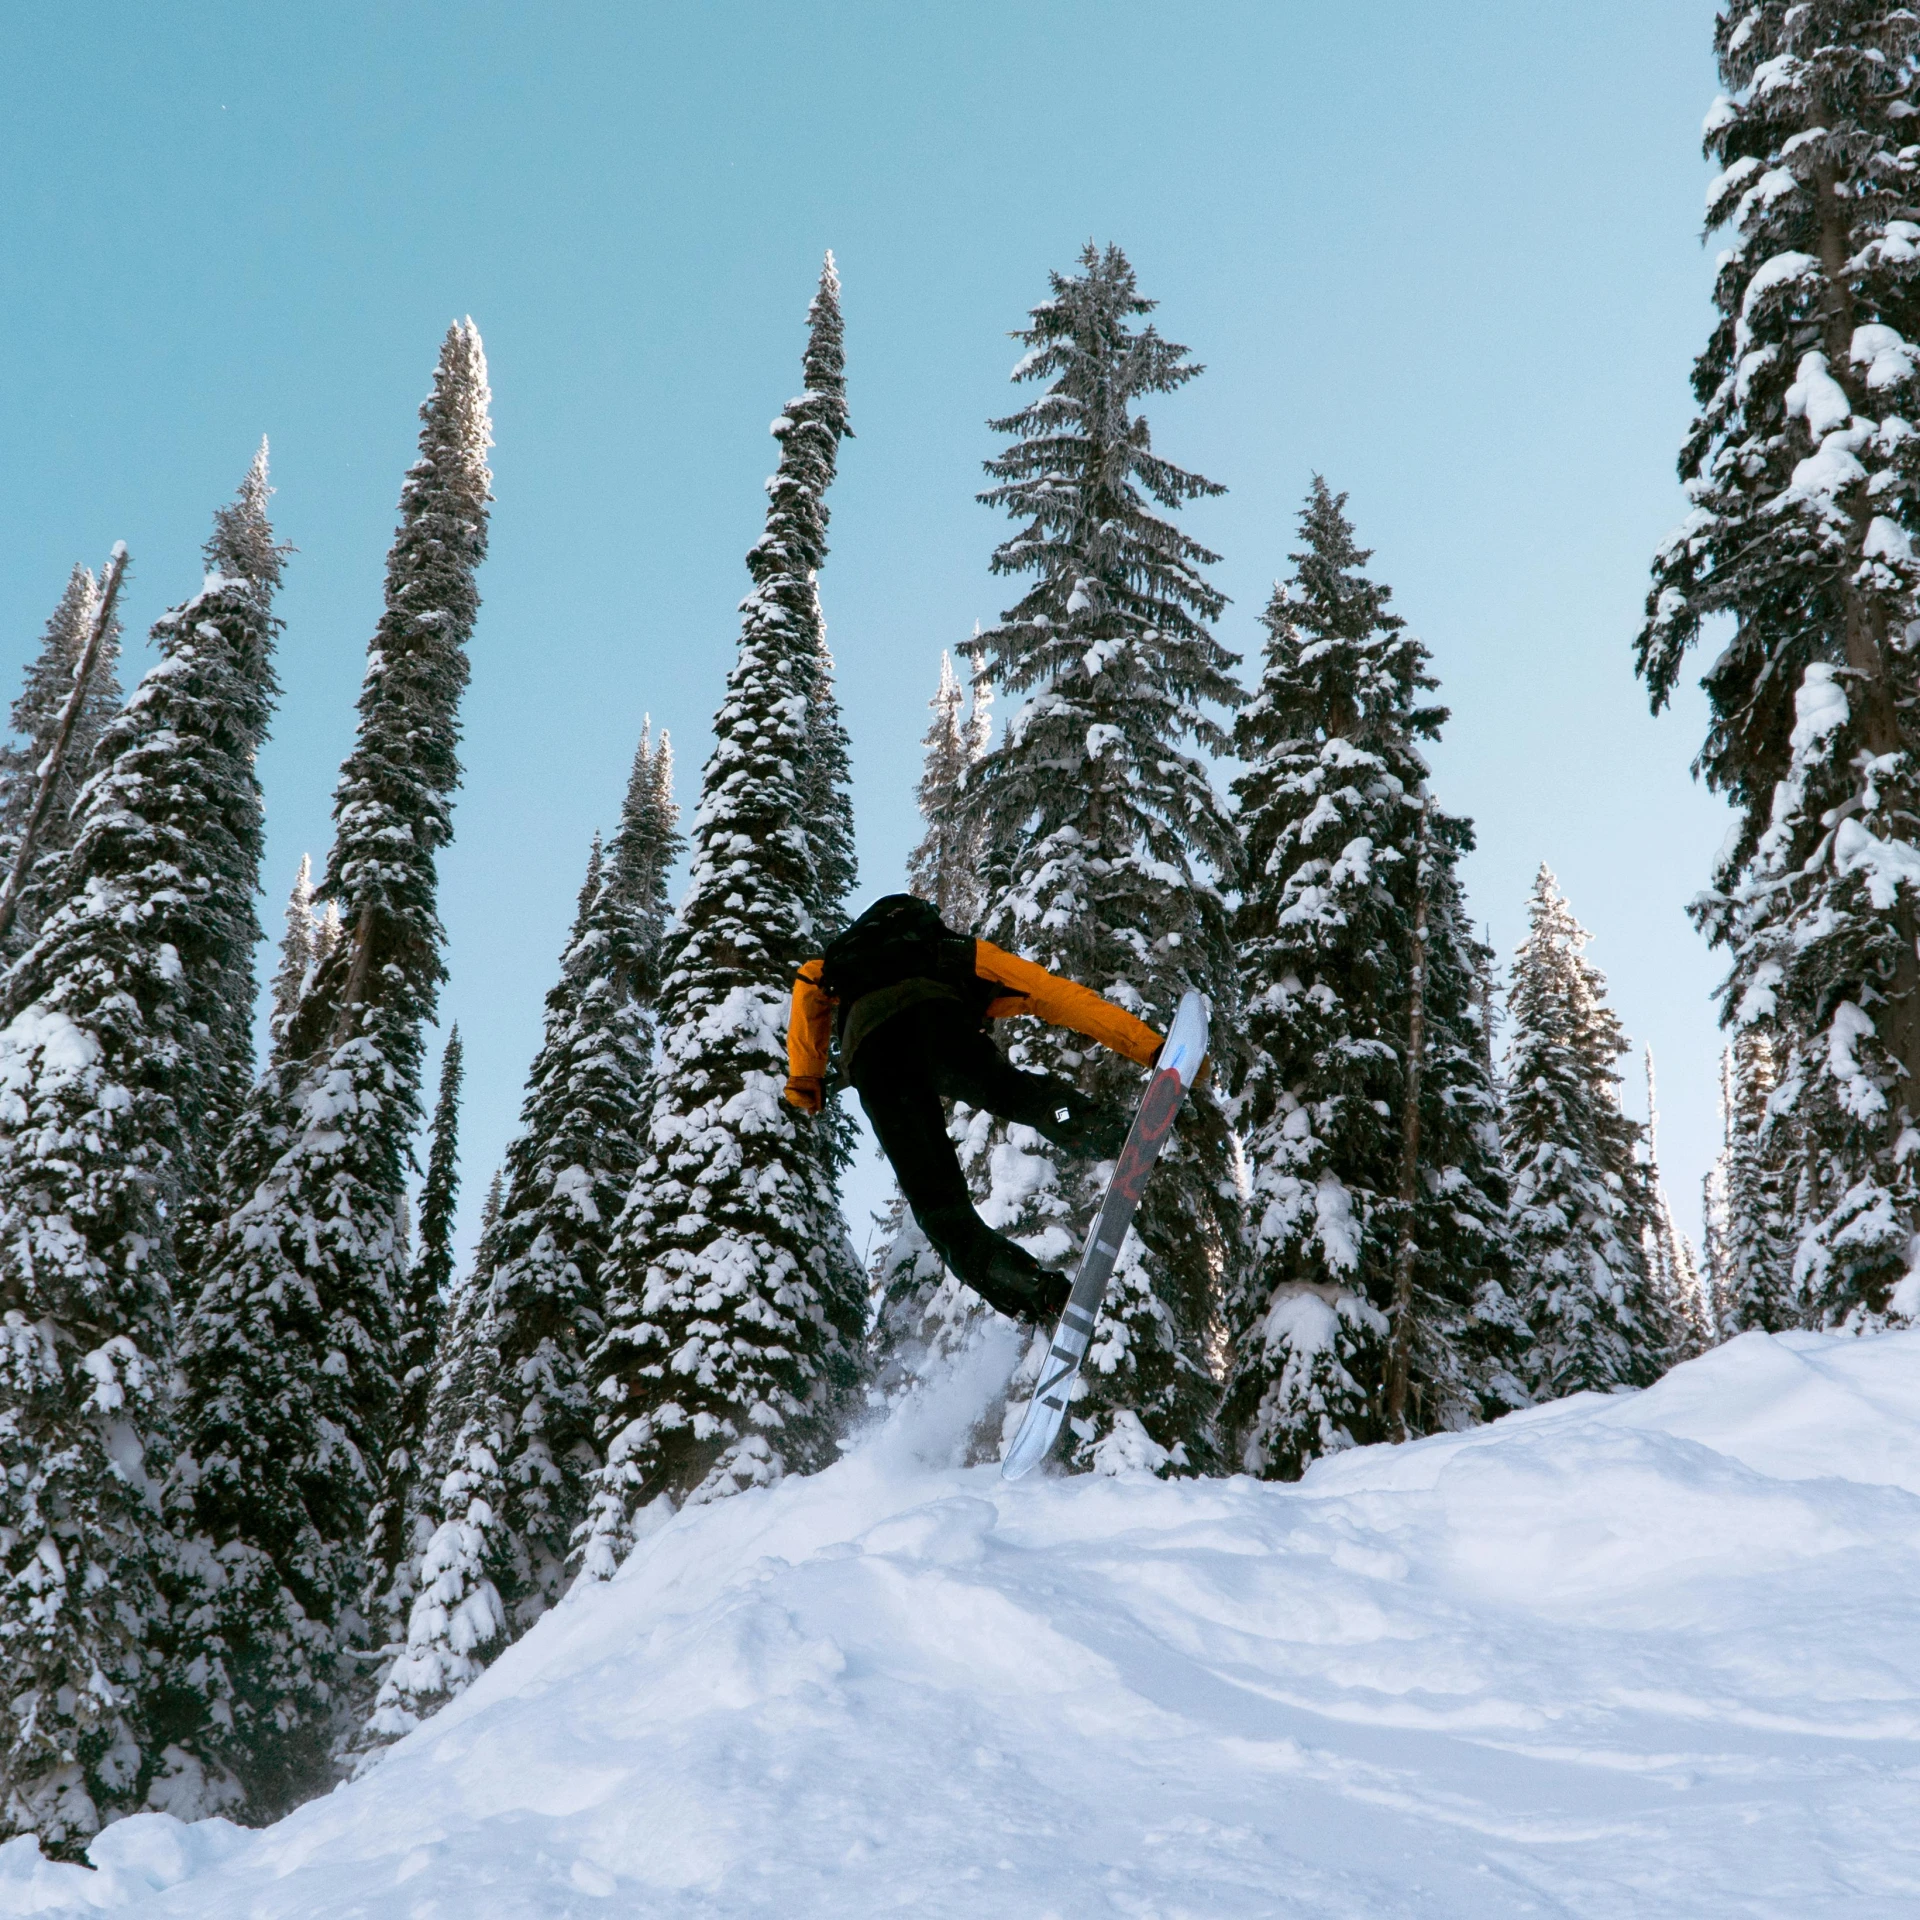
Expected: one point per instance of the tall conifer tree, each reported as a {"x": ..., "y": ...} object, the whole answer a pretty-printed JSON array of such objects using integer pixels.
[
  {"x": 735, "y": 1303},
  {"x": 1714, "y": 1221},
  {"x": 827, "y": 758},
  {"x": 944, "y": 867},
  {"x": 511, "y": 1445},
  {"x": 456, "y": 1619},
  {"x": 36, "y": 717},
  {"x": 439, "y": 1197},
  {"x": 924, "y": 1317},
  {"x": 797, "y": 518},
  {"x": 1683, "y": 1302},
  {"x": 1751, "y": 1273},
  {"x": 1469, "y": 1333},
  {"x": 300, "y": 950},
  {"x": 1803, "y": 474},
  {"x": 829, "y": 771},
  {"x": 113, "y": 1074},
  {"x": 645, "y": 850},
  {"x": 1330, "y": 815},
  {"x": 1580, "y": 1196},
  {"x": 291, "y": 1352},
  {"x": 490, "y": 1206},
  {"x": 421, "y": 1311},
  {"x": 568, "y": 1175},
  {"x": 1104, "y": 836}
]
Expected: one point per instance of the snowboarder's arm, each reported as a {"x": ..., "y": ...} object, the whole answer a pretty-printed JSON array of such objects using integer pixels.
[
  {"x": 809, "y": 1035},
  {"x": 1034, "y": 990}
]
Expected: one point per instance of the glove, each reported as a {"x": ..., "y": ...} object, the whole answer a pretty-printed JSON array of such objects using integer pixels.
[{"x": 807, "y": 1092}]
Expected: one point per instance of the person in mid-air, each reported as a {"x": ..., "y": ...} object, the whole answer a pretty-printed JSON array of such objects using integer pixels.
[{"x": 908, "y": 1001}]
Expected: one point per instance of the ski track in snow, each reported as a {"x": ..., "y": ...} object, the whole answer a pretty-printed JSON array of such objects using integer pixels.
[{"x": 1650, "y": 1655}]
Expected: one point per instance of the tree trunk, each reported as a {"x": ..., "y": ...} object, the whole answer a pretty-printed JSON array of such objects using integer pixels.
[
  {"x": 1400, "y": 1359},
  {"x": 358, "y": 964},
  {"x": 1870, "y": 689}
]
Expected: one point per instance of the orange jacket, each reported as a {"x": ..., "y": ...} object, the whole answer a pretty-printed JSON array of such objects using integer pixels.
[{"x": 1029, "y": 989}]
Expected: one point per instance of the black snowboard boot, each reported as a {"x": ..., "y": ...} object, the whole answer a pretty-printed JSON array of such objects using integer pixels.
[
  {"x": 1006, "y": 1276},
  {"x": 1016, "y": 1284}
]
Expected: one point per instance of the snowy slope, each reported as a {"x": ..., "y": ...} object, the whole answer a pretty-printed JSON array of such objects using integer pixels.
[{"x": 1654, "y": 1655}]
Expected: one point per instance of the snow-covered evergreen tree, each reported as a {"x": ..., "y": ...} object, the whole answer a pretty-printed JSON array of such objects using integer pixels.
[
  {"x": 924, "y": 1318},
  {"x": 945, "y": 867},
  {"x": 568, "y": 1174},
  {"x": 1469, "y": 1336},
  {"x": 1682, "y": 1298},
  {"x": 292, "y": 1352},
  {"x": 735, "y": 1302},
  {"x": 1751, "y": 1277},
  {"x": 36, "y": 717},
  {"x": 1487, "y": 998},
  {"x": 826, "y": 758},
  {"x": 829, "y": 769},
  {"x": 300, "y": 951},
  {"x": 114, "y": 1073},
  {"x": 456, "y": 1619},
  {"x": 1330, "y": 817},
  {"x": 510, "y": 1417},
  {"x": 644, "y": 852},
  {"x": 1802, "y": 470},
  {"x": 490, "y": 1206},
  {"x": 791, "y": 551},
  {"x": 1715, "y": 1220},
  {"x": 499, "y": 1395},
  {"x": 1105, "y": 838},
  {"x": 1580, "y": 1198},
  {"x": 420, "y": 1311},
  {"x": 511, "y": 1446},
  {"x": 439, "y": 1197}
]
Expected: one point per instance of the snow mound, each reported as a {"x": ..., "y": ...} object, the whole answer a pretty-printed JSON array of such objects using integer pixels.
[{"x": 1649, "y": 1655}]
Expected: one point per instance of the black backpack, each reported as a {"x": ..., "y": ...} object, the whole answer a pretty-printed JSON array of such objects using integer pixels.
[{"x": 897, "y": 938}]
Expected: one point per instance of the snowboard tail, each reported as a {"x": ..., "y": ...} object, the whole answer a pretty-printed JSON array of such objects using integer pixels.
[{"x": 1181, "y": 1060}]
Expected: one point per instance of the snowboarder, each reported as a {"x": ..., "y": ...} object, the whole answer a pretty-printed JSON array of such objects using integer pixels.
[{"x": 908, "y": 1000}]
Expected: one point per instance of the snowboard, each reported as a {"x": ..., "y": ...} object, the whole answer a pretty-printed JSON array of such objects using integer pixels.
[{"x": 1173, "y": 1076}]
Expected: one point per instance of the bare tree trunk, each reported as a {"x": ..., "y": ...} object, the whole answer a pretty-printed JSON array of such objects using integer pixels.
[
  {"x": 1400, "y": 1358},
  {"x": 357, "y": 966},
  {"x": 1870, "y": 692},
  {"x": 52, "y": 766}
]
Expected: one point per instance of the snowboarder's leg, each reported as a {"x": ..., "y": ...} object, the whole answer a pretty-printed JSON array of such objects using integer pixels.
[
  {"x": 968, "y": 1066},
  {"x": 895, "y": 1082}
]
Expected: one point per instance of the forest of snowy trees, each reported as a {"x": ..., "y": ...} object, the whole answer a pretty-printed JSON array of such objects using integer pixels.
[{"x": 283, "y": 1471}]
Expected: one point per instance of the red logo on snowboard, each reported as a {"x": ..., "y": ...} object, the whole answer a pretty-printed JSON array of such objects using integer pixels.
[{"x": 1156, "y": 1115}]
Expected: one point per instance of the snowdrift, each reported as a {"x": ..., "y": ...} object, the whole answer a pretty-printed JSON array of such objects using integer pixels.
[{"x": 1649, "y": 1655}]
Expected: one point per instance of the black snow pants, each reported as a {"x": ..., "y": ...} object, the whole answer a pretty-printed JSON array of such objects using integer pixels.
[{"x": 938, "y": 1049}]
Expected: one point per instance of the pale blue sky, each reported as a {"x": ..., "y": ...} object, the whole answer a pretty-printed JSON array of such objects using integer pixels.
[{"x": 1446, "y": 254}]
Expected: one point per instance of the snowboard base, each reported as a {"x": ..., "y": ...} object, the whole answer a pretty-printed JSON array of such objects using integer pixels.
[{"x": 1174, "y": 1075}]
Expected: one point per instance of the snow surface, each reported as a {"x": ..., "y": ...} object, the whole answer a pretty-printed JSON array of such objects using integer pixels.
[{"x": 1647, "y": 1655}]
